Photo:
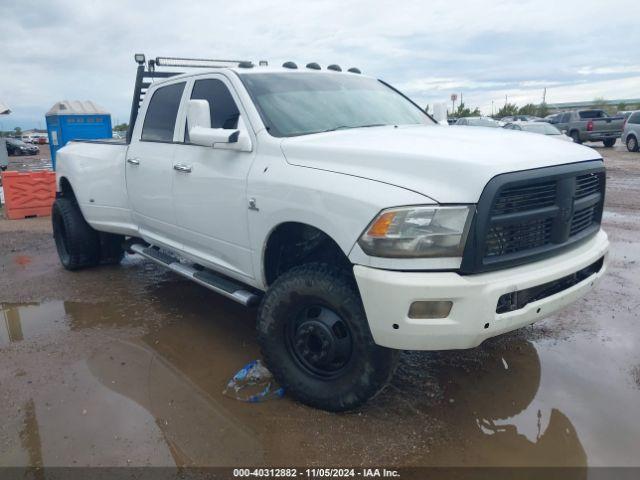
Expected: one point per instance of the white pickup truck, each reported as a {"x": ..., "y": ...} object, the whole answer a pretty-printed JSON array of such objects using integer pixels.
[{"x": 356, "y": 223}]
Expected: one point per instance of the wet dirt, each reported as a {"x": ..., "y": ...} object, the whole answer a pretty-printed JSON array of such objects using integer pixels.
[{"x": 126, "y": 366}]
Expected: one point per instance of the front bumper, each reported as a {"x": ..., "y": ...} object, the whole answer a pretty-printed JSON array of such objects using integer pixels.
[{"x": 387, "y": 296}]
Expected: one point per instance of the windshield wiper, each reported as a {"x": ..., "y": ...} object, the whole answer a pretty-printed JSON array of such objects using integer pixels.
[{"x": 345, "y": 127}]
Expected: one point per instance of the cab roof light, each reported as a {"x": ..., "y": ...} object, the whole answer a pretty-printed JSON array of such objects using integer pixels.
[
  {"x": 290, "y": 65},
  {"x": 334, "y": 67},
  {"x": 354, "y": 70},
  {"x": 313, "y": 66}
]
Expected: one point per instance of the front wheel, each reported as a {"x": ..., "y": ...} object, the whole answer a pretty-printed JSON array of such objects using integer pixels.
[
  {"x": 632, "y": 143},
  {"x": 316, "y": 341},
  {"x": 609, "y": 142}
]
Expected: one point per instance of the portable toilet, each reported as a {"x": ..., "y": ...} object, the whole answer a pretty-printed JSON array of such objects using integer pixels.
[{"x": 75, "y": 120}]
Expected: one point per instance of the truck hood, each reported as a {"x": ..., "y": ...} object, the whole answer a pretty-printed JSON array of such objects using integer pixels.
[{"x": 447, "y": 164}]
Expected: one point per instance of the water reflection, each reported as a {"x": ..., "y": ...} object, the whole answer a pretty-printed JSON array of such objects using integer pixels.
[
  {"x": 165, "y": 381},
  {"x": 18, "y": 322},
  {"x": 489, "y": 391}
]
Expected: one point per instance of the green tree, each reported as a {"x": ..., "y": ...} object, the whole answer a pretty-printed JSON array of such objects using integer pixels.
[
  {"x": 507, "y": 110},
  {"x": 622, "y": 106},
  {"x": 542, "y": 110},
  {"x": 528, "y": 109},
  {"x": 463, "y": 111},
  {"x": 17, "y": 131},
  {"x": 123, "y": 127}
]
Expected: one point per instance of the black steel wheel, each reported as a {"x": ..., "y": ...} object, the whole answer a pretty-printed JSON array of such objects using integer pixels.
[
  {"x": 320, "y": 340},
  {"x": 315, "y": 339}
]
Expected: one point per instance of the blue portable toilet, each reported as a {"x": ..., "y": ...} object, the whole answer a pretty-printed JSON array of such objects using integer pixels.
[{"x": 75, "y": 120}]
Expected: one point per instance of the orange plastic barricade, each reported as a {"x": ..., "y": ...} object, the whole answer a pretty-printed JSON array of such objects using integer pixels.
[{"x": 28, "y": 194}]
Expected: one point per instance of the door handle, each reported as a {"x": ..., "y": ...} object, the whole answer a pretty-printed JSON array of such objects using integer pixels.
[
  {"x": 133, "y": 161},
  {"x": 182, "y": 168}
]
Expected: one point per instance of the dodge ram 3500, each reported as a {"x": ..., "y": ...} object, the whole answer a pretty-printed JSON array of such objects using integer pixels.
[{"x": 356, "y": 223}]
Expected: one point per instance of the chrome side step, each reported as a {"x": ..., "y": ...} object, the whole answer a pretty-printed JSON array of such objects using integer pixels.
[{"x": 219, "y": 284}]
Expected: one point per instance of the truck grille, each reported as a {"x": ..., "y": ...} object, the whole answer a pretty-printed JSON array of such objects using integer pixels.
[{"x": 525, "y": 216}]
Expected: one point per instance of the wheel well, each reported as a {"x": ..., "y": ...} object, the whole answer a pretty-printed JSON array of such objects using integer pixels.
[
  {"x": 292, "y": 244},
  {"x": 65, "y": 188}
]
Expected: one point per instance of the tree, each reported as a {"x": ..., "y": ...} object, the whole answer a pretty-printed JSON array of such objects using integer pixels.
[
  {"x": 542, "y": 110},
  {"x": 463, "y": 111},
  {"x": 528, "y": 109},
  {"x": 17, "y": 132},
  {"x": 622, "y": 106},
  {"x": 507, "y": 110},
  {"x": 123, "y": 127}
]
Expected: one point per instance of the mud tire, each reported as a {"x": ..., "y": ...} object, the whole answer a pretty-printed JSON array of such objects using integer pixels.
[
  {"x": 111, "y": 249},
  {"x": 369, "y": 368}
]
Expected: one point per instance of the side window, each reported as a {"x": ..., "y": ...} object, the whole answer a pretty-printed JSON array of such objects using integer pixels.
[
  {"x": 565, "y": 117},
  {"x": 634, "y": 118},
  {"x": 224, "y": 111},
  {"x": 160, "y": 120}
]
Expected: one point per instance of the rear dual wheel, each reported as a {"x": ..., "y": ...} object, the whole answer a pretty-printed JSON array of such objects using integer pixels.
[
  {"x": 316, "y": 341},
  {"x": 609, "y": 142},
  {"x": 78, "y": 244}
]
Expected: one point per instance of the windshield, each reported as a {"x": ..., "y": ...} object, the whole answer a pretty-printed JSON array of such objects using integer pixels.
[
  {"x": 293, "y": 104},
  {"x": 544, "y": 128}
]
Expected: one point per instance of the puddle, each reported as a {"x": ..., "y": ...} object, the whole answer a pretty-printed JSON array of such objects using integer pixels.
[
  {"x": 19, "y": 322},
  {"x": 139, "y": 381}
]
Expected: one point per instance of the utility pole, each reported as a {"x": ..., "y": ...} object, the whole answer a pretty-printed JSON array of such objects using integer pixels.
[
  {"x": 505, "y": 100},
  {"x": 492, "y": 114},
  {"x": 544, "y": 95}
]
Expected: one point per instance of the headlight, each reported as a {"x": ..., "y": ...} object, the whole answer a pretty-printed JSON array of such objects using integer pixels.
[{"x": 413, "y": 232}]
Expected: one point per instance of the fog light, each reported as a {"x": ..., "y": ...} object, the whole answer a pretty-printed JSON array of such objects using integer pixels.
[{"x": 435, "y": 309}]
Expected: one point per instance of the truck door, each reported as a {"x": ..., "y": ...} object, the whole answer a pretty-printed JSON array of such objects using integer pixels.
[
  {"x": 149, "y": 167},
  {"x": 209, "y": 186}
]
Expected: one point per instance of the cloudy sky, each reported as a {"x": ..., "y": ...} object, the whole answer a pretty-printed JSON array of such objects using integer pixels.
[{"x": 83, "y": 49}]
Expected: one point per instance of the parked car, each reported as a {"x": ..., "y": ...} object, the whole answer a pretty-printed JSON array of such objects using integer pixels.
[
  {"x": 631, "y": 131},
  {"x": 18, "y": 147},
  {"x": 539, "y": 127},
  {"x": 358, "y": 232},
  {"x": 549, "y": 118},
  {"x": 590, "y": 126},
  {"x": 519, "y": 118},
  {"x": 478, "y": 122}
]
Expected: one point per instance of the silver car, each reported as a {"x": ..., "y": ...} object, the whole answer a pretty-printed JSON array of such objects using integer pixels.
[
  {"x": 631, "y": 131},
  {"x": 478, "y": 122},
  {"x": 539, "y": 127}
]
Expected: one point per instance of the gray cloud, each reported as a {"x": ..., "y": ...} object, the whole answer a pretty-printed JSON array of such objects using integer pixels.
[{"x": 79, "y": 49}]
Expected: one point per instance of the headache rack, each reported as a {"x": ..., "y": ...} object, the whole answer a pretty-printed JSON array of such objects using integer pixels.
[{"x": 147, "y": 72}]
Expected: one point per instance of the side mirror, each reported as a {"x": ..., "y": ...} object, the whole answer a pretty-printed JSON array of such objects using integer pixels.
[{"x": 199, "y": 123}]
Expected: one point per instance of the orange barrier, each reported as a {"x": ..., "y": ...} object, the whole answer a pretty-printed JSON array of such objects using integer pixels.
[{"x": 28, "y": 194}]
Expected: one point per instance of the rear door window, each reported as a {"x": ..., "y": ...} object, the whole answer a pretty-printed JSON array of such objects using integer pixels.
[
  {"x": 160, "y": 121},
  {"x": 634, "y": 118},
  {"x": 592, "y": 114}
]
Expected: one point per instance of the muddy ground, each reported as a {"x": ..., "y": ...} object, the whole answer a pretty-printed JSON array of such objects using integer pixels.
[{"x": 126, "y": 366}]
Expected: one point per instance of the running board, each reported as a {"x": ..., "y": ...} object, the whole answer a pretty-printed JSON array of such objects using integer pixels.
[{"x": 206, "y": 278}]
